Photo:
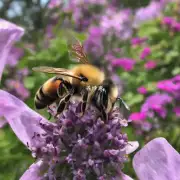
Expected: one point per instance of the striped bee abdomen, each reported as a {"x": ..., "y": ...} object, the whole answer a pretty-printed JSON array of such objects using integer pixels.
[{"x": 47, "y": 93}]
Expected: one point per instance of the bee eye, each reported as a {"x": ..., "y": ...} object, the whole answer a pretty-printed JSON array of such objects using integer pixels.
[{"x": 83, "y": 78}]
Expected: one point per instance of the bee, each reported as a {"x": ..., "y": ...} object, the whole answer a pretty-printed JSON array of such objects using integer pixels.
[{"x": 84, "y": 80}]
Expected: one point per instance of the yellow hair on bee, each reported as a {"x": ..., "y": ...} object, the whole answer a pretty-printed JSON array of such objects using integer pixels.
[{"x": 93, "y": 74}]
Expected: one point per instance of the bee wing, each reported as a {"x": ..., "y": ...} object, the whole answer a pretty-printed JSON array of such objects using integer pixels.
[
  {"x": 47, "y": 69},
  {"x": 124, "y": 108},
  {"x": 76, "y": 50},
  {"x": 58, "y": 71}
]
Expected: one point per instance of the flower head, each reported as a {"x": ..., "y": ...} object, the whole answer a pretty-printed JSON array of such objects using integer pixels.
[
  {"x": 156, "y": 104},
  {"x": 144, "y": 14},
  {"x": 168, "y": 21},
  {"x": 118, "y": 24},
  {"x": 9, "y": 34},
  {"x": 167, "y": 85},
  {"x": 126, "y": 63},
  {"x": 71, "y": 146},
  {"x": 94, "y": 44},
  {"x": 137, "y": 116},
  {"x": 149, "y": 64},
  {"x": 145, "y": 52},
  {"x": 142, "y": 90},
  {"x": 138, "y": 40}
]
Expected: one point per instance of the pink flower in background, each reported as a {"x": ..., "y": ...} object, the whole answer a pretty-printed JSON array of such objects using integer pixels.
[
  {"x": 54, "y": 3},
  {"x": 157, "y": 160},
  {"x": 150, "y": 65},
  {"x": 177, "y": 111},
  {"x": 142, "y": 90},
  {"x": 126, "y": 63},
  {"x": 138, "y": 40},
  {"x": 94, "y": 44},
  {"x": 176, "y": 26},
  {"x": 168, "y": 21},
  {"x": 145, "y": 52},
  {"x": 137, "y": 117},
  {"x": 156, "y": 103},
  {"x": 144, "y": 14},
  {"x": 9, "y": 34},
  {"x": 167, "y": 85},
  {"x": 118, "y": 23},
  {"x": 176, "y": 78}
]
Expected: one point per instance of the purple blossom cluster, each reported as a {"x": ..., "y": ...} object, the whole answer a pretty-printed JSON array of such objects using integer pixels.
[
  {"x": 74, "y": 147},
  {"x": 150, "y": 12},
  {"x": 171, "y": 23},
  {"x": 156, "y": 104},
  {"x": 88, "y": 144},
  {"x": 71, "y": 146}
]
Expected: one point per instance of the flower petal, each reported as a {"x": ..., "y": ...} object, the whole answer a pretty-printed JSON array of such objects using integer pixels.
[
  {"x": 125, "y": 177},
  {"x": 9, "y": 33},
  {"x": 131, "y": 146},
  {"x": 157, "y": 160},
  {"x": 35, "y": 171},
  {"x": 23, "y": 120}
]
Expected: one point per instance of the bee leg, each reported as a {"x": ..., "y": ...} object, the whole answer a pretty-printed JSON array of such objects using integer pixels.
[
  {"x": 83, "y": 104},
  {"x": 64, "y": 85},
  {"x": 63, "y": 102},
  {"x": 50, "y": 115},
  {"x": 103, "y": 104}
]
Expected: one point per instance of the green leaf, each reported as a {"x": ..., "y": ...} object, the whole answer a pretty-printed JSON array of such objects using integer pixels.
[
  {"x": 29, "y": 82},
  {"x": 148, "y": 29},
  {"x": 170, "y": 56},
  {"x": 176, "y": 71}
]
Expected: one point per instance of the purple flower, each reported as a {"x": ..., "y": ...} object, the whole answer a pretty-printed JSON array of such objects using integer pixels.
[
  {"x": 126, "y": 63},
  {"x": 176, "y": 26},
  {"x": 167, "y": 85},
  {"x": 71, "y": 146},
  {"x": 137, "y": 117},
  {"x": 144, "y": 14},
  {"x": 176, "y": 78},
  {"x": 145, "y": 52},
  {"x": 157, "y": 160},
  {"x": 142, "y": 90},
  {"x": 94, "y": 44},
  {"x": 54, "y": 3},
  {"x": 177, "y": 111},
  {"x": 150, "y": 65},
  {"x": 156, "y": 103},
  {"x": 138, "y": 40},
  {"x": 168, "y": 21},
  {"x": 9, "y": 34},
  {"x": 117, "y": 23}
]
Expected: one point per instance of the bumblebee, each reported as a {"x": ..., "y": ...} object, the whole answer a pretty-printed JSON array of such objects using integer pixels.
[{"x": 84, "y": 80}]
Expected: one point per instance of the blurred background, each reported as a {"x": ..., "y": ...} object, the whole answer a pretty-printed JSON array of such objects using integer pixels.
[{"x": 137, "y": 43}]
